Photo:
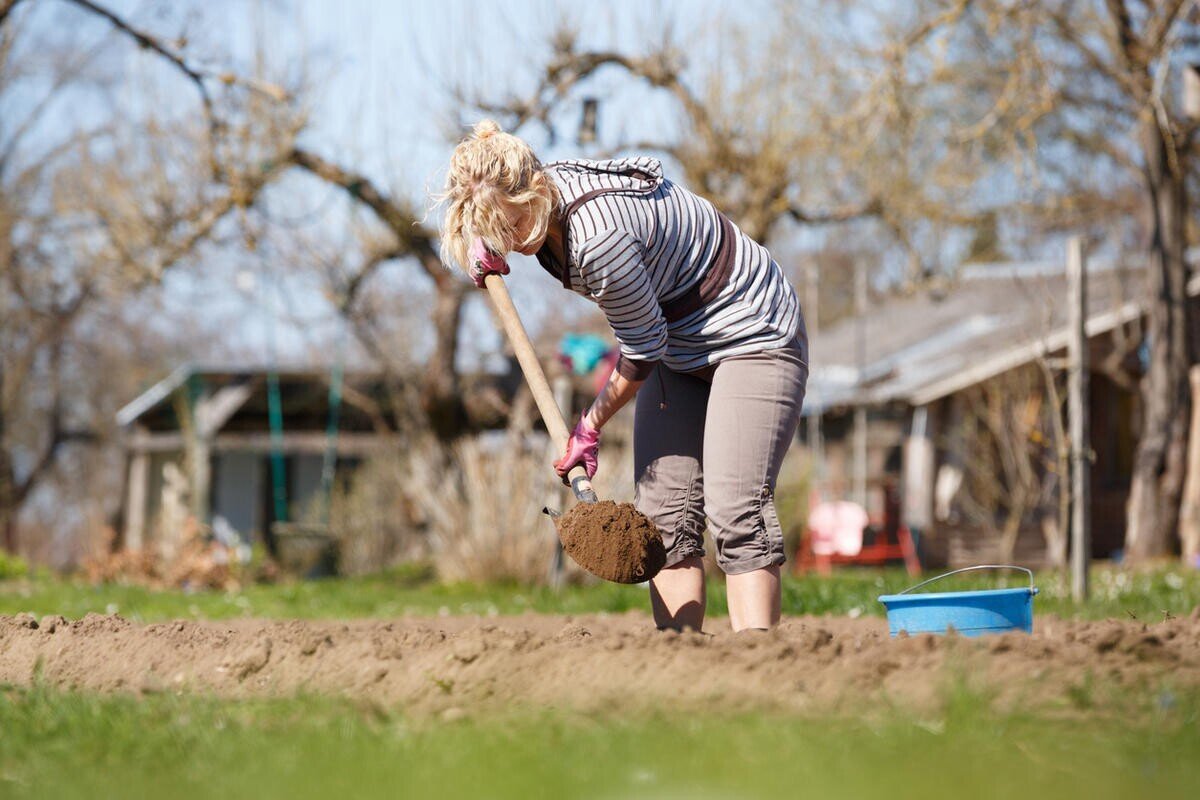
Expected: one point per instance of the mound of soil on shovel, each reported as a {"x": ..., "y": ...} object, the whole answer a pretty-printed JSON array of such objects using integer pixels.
[{"x": 612, "y": 541}]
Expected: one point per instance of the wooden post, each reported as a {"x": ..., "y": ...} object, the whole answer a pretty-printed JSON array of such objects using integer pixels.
[
  {"x": 1189, "y": 517},
  {"x": 918, "y": 473},
  {"x": 200, "y": 489},
  {"x": 860, "y": 361},
  {"x": 812, "y": 298},
  {"x": 135, "y": 501},
  {"x": 1077, "y": 391},
  {"x": 191, "y": 404},
  {"x": 1191, "y": 91}
]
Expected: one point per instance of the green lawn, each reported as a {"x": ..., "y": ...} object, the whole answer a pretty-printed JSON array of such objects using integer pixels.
[
  {"x": 1147, "y": 595},
  {"x": 66, "y": 746}
]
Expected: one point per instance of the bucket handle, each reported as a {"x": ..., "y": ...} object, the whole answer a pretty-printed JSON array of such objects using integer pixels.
[{"x": 1028, "y": 572}]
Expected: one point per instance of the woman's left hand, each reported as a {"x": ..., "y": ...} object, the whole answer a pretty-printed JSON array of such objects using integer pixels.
[
  {"x": 484, "y": 262},
  {"x": 583, "y": 447}
]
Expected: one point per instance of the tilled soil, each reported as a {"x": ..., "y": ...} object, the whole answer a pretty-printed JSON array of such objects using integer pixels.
[{"x": 613, "y": 664}]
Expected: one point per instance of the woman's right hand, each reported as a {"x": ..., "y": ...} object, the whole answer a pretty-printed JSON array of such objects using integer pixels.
[
  {"x": 583, "y": 447},
  {"x": 484, "y": 262}
]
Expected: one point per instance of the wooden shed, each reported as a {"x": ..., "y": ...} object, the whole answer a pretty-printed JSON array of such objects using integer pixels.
[
  {"x": 893, "y": 391},
  {"x": 242, "y": 449}
]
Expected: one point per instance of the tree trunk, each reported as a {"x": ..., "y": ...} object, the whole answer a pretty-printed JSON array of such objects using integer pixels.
[
  {"x": 8, "y": 524},
  {"x": 8, "y": 485},
  {"x": 8, "y": 501},
  {"x": 1189, "y": 522},
  {"x": 1160, "y": 461},
  {"x": 441, "y": 396}
]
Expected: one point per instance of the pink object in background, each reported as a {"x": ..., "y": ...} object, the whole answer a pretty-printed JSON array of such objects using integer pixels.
[{"x": 837, "y": 528}]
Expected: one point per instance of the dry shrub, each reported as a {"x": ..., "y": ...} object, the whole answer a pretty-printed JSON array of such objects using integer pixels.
[
  {"x": 374, "y": 519},
  {"x": 472, "y": 509},
  {"x": 480, "y": 502},
  {"x": 1014, "y": 462},
  {"x": 197, "y": 562}
]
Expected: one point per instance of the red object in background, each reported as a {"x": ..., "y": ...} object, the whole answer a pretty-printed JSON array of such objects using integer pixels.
[
  {"x": 893, "y": 542},
  {"x": 604, "y": 369}
]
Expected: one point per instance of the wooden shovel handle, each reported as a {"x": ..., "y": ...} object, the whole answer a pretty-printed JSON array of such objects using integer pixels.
[{"x": 536, "y": 378}]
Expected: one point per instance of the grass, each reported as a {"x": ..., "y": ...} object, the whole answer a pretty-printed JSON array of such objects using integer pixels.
[
  {"x": 1146, "y": 595},
  {"x": 68, "y": 745}
]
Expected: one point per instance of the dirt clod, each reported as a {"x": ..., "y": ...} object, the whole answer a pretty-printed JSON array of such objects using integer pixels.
[
  {"x": 613, "y": 541},
  {"x": 250, "y": 660}
]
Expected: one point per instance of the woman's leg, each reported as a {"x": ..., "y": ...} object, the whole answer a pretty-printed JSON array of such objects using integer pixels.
[
  {"x": 753, "y": 411},
  {"x": 754, "y": 598},
  {"x": 668, "y": 441},
  {"x": 677, "y": 595}
]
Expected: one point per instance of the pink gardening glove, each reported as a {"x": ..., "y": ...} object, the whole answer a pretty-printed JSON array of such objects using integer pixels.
[
  {"x": 582, "y": 448},
  {"x": 484, "y": 262}
]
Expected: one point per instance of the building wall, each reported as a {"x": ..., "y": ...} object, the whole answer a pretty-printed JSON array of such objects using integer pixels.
[
  {"x": 304, "y": 483},
  {"x": 237, "y": 492},
  {"x": 1114, "y": 417},
  {"x": 1113, "y": 422},
  {"x": 886, "y": 430}
]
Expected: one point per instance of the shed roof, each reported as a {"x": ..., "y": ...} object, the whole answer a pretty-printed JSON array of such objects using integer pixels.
[
  {"x": 153, "y": 406},
  {"x": 921, "y": 347}
]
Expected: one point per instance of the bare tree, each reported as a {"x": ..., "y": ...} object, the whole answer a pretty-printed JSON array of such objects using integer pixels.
[
  {"x": 1078, "y": 98},
  {"x": 741, "y": 144},
  {"x": 92, "y": 218},
  {"x": 952, "y": 123},
  {"x": 1014, "y": 477},
  {"x": 408, "y": 239}
]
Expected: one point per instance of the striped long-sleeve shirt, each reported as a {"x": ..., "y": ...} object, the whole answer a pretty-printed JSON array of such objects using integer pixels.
[{"x": 637, "y": 243}]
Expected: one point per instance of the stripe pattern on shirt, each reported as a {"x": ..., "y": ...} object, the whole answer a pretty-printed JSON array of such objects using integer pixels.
[{"x": 648, "y": 241}]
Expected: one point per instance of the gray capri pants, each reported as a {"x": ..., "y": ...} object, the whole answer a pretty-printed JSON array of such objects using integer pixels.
[{"x": 711, "y": 443}]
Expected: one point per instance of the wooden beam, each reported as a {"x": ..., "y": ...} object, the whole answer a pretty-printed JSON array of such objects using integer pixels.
[
  {"x": 1077, "y": 410},
  {"x": 1189, "y": 517},
  {"x": 135, "y": 501},
  {"x": 213, "y": 412},
  {"x": 351, "y": 444},
  {"x": 812, "y": 297},
  {"x": 860, "y": 364}
]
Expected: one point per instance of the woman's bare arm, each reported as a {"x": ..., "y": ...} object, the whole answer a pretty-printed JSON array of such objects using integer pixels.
[{"x": 615, "y": 394}]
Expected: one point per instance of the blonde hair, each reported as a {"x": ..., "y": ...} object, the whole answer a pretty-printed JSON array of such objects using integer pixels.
[{"x": 490, "y": 172}]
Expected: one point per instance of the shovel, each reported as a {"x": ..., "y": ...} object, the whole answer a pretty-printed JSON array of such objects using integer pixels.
[
  {"x": 552, "y": 416},
  {"x": 629, "y": 549}
]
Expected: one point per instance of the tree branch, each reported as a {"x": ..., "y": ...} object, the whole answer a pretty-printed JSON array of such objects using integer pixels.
[
  {"x": 195, "y": 75},
  {"x": 569, "y": 66},
  {"x": 148, "y": 42},
  {"x": 870, "y": 208},
  {"x": 1127, "y": 45},
  {"x": 1158, "y": 29},
  {"x": 1067, "y": 29},
  {"x": 413, "y": 238},
  {"x": 6, "y": 8}
]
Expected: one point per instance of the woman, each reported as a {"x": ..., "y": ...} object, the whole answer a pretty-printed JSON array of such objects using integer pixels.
[{"x": 711, "y": 337}]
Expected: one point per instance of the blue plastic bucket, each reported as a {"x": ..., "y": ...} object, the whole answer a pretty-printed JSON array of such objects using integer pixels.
[{"x": 968, "y": 613}]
